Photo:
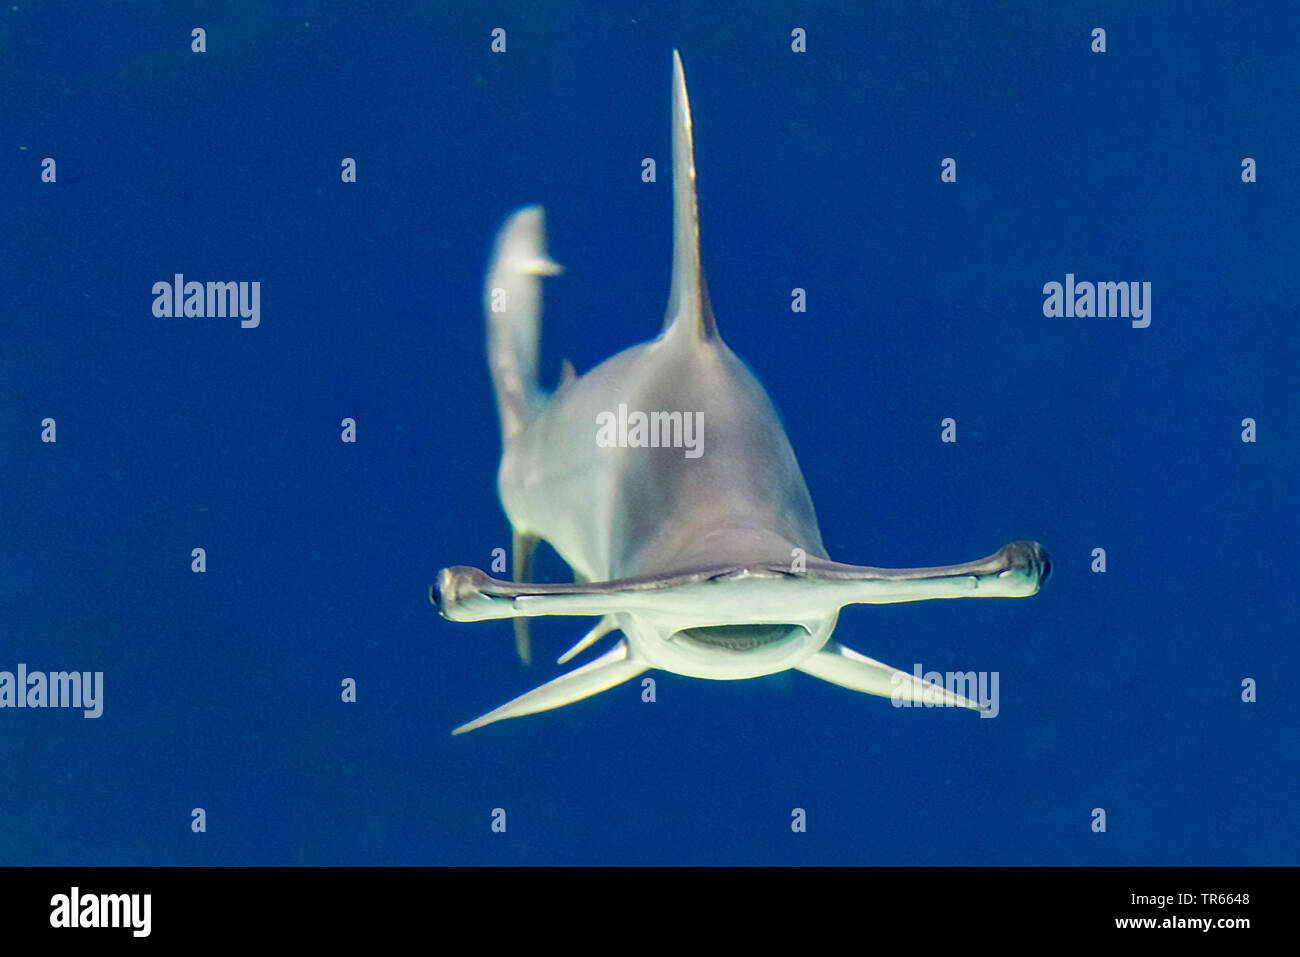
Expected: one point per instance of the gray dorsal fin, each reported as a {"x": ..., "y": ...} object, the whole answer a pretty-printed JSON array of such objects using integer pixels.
[{"x": 688, "y": 298}]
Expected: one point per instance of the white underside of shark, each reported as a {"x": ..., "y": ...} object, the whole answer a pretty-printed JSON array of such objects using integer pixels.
[{"x": 710, "y": 566}]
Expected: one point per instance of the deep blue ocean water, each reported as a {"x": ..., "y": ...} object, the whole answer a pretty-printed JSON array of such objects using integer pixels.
[{"x": 818, "y": 170}]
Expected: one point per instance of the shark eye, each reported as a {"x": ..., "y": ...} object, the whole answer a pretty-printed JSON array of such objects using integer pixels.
[{"x": 739, "y": 638}]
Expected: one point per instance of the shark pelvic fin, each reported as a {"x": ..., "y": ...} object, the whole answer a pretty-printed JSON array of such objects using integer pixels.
[
  {"x": 525, "y": 547},
  {"x": 603, "y": 627}
]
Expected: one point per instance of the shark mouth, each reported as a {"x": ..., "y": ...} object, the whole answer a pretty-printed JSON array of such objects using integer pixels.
[{"x": 738, "y": 638}]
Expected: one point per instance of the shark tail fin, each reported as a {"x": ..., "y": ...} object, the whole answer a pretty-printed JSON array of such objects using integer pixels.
[
  {"x": 512, "y": 302},
  {"x": 612, "y": 668}
]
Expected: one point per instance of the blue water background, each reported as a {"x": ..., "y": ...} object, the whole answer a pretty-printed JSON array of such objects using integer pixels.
[{"x": 1119, "y": 691}]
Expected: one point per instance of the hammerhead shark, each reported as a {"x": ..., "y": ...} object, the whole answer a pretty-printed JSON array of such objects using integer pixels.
[{"x": 686, "y": 521}]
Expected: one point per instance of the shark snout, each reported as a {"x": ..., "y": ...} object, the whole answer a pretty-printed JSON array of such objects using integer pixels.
[
  {"x": 456, "y": 590},
  {"x": 1030, "y": 559}
]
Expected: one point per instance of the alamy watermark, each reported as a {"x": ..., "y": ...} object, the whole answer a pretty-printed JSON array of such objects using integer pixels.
[
  {"x": 652, "y": 430},
  {"x": 75, "y": 909},
  {"x": 1103, "y": 300},
  {"x": 980, "y": 687},
  {"x": 58, "y": 689},
  {"x": 214, "y": 300}
]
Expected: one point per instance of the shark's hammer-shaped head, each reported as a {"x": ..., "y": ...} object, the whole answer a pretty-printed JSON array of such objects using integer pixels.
[{"x": 733, "y": 622}]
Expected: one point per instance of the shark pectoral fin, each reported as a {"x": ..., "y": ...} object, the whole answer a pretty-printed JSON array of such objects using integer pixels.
[
  {"x": 612, "y": 668},
  {"x": 525, "y": 547},
  {"x": 848, "y": 669},
  {"x": 602, "y": 628},
  {"x": 1015, "y": 570}
]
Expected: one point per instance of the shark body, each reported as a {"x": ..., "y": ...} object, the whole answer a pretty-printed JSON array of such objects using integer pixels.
[{"x": 710, "y": 565}]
